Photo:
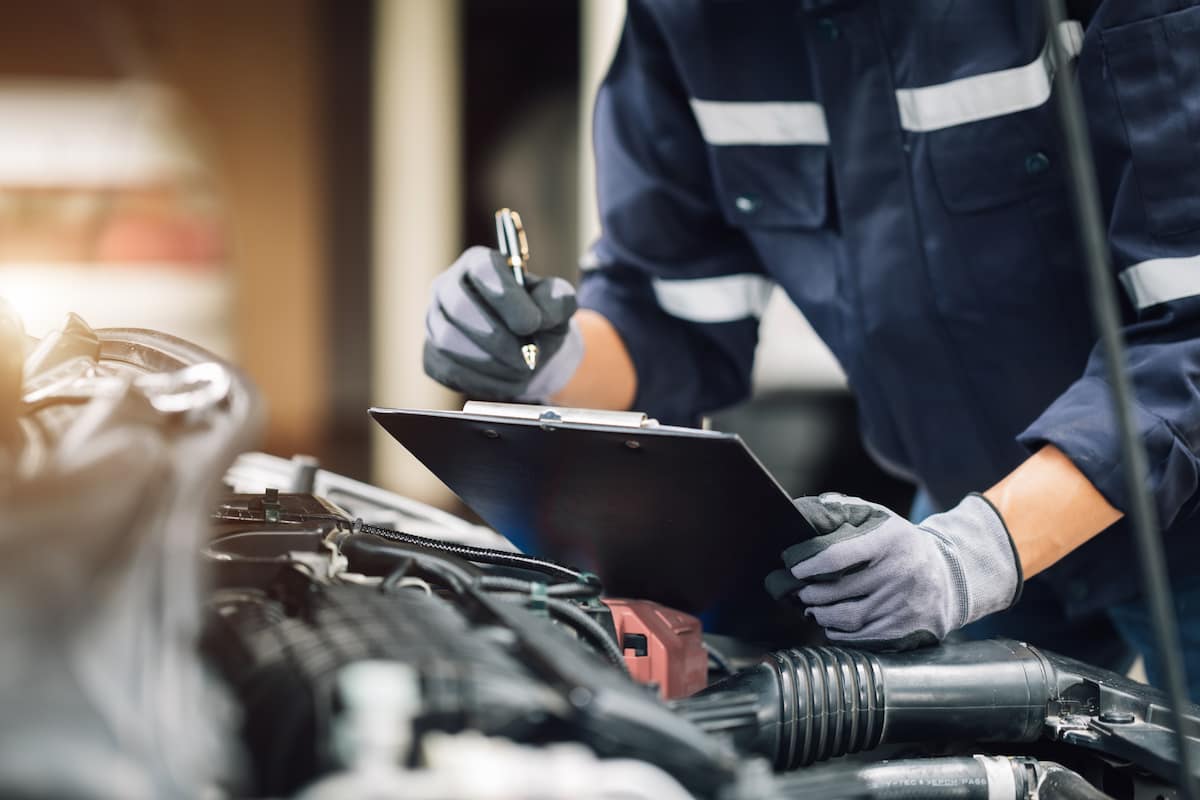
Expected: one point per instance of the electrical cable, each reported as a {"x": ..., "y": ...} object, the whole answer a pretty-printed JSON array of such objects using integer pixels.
[
  {"x": 577, "y": 591},
  {"x": 565, "y": 610},
  {"x": 1107, "y": 318},
  {"x": 461, "y": 582},
  {"x": 393, "y": 578},
  {"x": 480, "y": 554},
  {"x": 599, "y": 637}
]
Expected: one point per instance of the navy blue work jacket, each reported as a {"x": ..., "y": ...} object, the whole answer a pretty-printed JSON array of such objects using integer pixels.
[{"x": 896, "y": 167}]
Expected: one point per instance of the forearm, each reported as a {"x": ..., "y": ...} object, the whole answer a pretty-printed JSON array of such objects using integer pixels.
[
  {"x": 1050, "y": 509},
  {"x": 606, "y": 377}
]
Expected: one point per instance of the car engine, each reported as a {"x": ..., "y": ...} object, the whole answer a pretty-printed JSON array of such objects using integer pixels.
[{"x": 185, "y": 618}]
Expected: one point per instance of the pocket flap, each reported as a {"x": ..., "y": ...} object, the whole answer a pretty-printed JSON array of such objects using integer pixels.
[
  {"x": 777, "y": 186},
  {"x": 990, "y": 162}
]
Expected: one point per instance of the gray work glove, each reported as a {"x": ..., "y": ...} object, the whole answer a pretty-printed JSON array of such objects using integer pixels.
[
  {"x": 478, "y": 320},
  {"x": 874, "y": 579}
]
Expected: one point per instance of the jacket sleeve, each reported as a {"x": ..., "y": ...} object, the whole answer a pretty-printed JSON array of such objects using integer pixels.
[
  {"x": 683, "y": 288},
  {"x": 1140, "y": 79}
]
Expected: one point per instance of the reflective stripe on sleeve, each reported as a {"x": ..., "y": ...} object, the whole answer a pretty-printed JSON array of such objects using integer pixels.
[
  {"x": 992, "y": 94},
  {"x": 727, "y": 298},
  {"x": 1162, "y": 280},
  {"x": 589, "y": 260},
  {"x": 775, "y": 123}
]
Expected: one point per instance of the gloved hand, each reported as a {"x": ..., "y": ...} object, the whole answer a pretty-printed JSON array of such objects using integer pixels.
[
  {"x": 479, "y": 319},
  {"x": 876, "y": 580}
]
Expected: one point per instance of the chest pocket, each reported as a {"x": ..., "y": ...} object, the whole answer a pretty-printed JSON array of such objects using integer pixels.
[
  {"x": 992, "y": 162},
  {"x": 775, "y": 186},
  {"x": 1155, "y": 68},
  {"x": 1007, "y": 221}
]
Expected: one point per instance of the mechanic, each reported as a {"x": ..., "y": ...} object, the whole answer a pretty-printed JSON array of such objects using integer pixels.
[{"x": 896, "y": 168}]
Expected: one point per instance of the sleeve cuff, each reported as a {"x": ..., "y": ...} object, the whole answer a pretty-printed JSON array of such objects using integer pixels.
[
  {"x": 1081, "y": 424},
  {"x": 1012, "y": 545}
]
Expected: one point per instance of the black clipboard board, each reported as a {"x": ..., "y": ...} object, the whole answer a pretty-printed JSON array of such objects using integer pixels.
[{"x": 683, "y": 516}]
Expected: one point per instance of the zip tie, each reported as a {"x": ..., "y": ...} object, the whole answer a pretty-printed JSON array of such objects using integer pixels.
[{"x": 538, "y": 597}]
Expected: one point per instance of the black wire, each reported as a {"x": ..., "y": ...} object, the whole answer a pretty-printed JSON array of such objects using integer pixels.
[
  {"x": 564, "y": 609},
  {"x": 461, "y": 582},
  {"x": 591, "y": 629},
  {"x": 572, "y": 590},
  {"x": 486, "y": 555},
  {"x": 393, "y": 578},
  {"x": 1107, "y": 318}
]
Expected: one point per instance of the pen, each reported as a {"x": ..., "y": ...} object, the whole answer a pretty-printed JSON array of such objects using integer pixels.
[{"x": 510, "y": 235}]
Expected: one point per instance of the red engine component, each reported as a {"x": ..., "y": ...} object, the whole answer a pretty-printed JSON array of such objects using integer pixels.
[{"x": 662, "y": 646}]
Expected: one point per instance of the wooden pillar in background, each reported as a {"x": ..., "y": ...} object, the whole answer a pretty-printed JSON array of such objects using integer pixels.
[{"x": 417, "y": 210}]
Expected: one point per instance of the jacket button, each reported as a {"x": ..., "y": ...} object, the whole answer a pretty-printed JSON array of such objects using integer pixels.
[
  {"x": 747, "y": 204},
  {"x": 1037, "y": 163},
  {"x": 829, "y": 28}
]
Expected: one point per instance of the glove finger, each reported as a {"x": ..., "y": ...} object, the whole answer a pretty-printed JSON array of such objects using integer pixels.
[
  {"x": 445, "y": 336},
  {"x": 831, "y": 512},
  {"x": 492, "y": 278},
  {"x": 849, "y": 616},
  {"x": 463, "y": 304},
  {"x": 473, "y": 352},
  {"x": 471, "y": 382},
  {"x": 466, "y": 310},
  {"x": 895, "y": 622},
  {"x": 556, "y": 299},
  {"x": 857, "y": 582},
  {"x": 806, "y": 550},
  {"x": 826, "y": 558},
  {"x": 852, "y": 500},
  {"x": 836, "y": 521},
  {"x": 782, "y": 586}
]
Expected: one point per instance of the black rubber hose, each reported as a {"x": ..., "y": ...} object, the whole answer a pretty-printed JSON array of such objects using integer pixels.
[
  {"x": 954, "y": 778},
  {"x": 1059, "y": 783},
  {"x": 1142, "y": 513},
  {"x": 804, "y": 705}
]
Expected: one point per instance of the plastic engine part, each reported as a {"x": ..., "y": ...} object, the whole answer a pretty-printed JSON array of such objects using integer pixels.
[{"x": 662, "y": 646}]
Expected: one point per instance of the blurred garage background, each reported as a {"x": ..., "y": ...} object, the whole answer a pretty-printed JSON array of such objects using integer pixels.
[{"x": 280, "y": 180}]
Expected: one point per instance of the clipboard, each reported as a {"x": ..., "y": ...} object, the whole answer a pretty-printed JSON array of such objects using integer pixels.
[{"x": 684, "y": 516}]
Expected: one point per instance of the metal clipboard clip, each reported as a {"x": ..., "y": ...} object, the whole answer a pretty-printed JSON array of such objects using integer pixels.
[{"x": 549, "y": 414}]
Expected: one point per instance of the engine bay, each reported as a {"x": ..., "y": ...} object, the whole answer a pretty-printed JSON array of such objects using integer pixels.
[{"x": 187, "y": 618}]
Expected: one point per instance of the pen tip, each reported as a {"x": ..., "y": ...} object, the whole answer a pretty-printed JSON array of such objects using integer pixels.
[{"x": 530, "y": 353}]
